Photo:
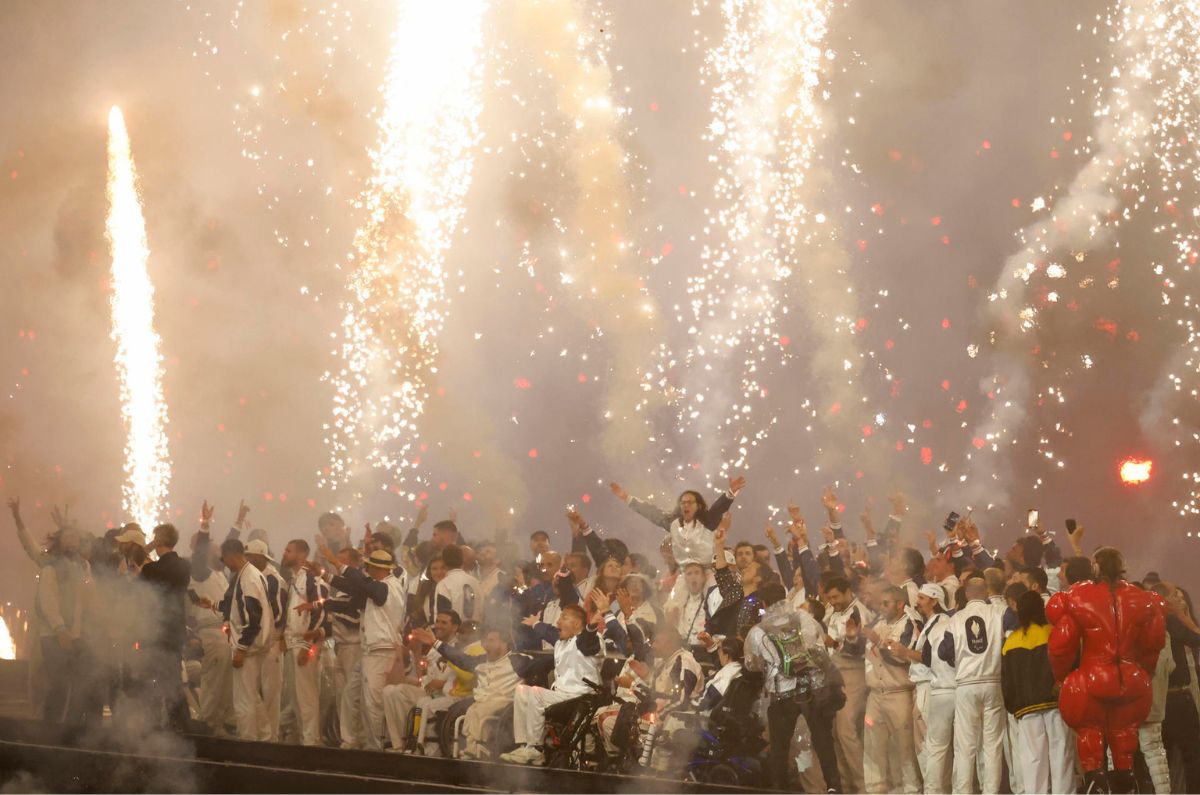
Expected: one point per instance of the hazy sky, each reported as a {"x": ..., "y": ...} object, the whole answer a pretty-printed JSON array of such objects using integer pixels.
[{"x": 959, "y": 111}]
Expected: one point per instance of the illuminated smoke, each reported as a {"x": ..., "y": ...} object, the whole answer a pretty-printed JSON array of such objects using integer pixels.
[
  {"x": 1083, "y": 218},
  {"x": 598, "y": 255},
  {"x": 769, "y": 247},
  {"x": 139, "y": 363},
  {"x": 411, "y": 208}
]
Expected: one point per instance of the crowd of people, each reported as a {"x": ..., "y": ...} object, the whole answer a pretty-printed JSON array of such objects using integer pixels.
[{"x": 868, "y": 665}]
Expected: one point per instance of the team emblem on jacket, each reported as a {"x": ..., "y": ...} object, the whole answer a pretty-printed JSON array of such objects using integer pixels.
[{"x": 976, "y": 635}]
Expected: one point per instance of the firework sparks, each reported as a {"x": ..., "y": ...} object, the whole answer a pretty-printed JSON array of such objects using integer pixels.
[
  {"x": 139, "y": 363},
  {"x": 1129, "y": 112},
  {"x": 412, "y": 206},
  {"x": 767, "y": 238},
  {"x": 594, "y": 224}
]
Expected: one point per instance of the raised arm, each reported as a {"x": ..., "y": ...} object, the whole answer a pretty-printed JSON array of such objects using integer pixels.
[
  {"x": 652, "y": 513},
  {"x": 721, "y": 505},
  {"x": 31, "y": 549}
]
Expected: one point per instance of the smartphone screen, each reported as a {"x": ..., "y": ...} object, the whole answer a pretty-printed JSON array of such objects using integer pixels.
[
  {"x": 1033, "y": 518},
  {"x": 1071, "y": 525}
]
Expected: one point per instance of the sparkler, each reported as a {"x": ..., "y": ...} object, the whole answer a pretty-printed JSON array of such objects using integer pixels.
[
  {"x": 768, "y": 242},
  {"x": 139, "y": 363},
  {"x": 412, "y": 205}
]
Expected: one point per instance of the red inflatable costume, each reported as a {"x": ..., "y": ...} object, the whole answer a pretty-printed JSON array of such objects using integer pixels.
[{"x": 1103, "y": 649}]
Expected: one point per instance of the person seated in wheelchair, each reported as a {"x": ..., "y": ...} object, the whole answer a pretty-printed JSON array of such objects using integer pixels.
[
  {"x": 458, "y": 684},
  {"x": 667, "y": 682},
  {"x": 729, "y": 655},
  {"x": 497, "y": 673},
  {"x": 428, "y": 678},
  {"x": 577, "y": 649}
]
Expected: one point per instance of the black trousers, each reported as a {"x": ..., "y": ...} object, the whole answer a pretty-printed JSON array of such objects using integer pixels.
[
  {"x": 1180, "y": 730},
  {"x": 164, "y": 690},
  {"x": 782, "y": 714}
]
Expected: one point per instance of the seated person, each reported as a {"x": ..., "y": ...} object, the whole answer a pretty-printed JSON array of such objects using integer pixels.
[
  {"x": 427, "y": 677},
  {"x": 729, "y": 653},
  {"x": 576, "y": 659},
  {"x": 497, "y": 672}
]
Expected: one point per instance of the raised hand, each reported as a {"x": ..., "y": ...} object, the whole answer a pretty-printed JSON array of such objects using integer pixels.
[
  {"x": 367, "y": 535},
  {"x": 206, "y": 515},
  {"x": 619, "y": 492},
  {"x": 899, "y": 502},
  {"x": 737, "y": 484},
  {"x": 868, "y": 525},
  {"x": 325, "y": 551},
  {"x": 794, "y": 511},
  {"x": 243, "y": 512},
  {"x": 774, "y": 539},
  {"x": 600, "y": 599},
  {"x": 625, "y": 601},
  {"x": 14, "y": 505},
  {"x": 1076, "y": 538},
  {"x": 827, "y": 531},
  {"x": 422, "y": 515},
  {"x": 423, "y": 634},
  {"x": 799, "y": 531},
  {"x": 829, "y": 499},
  {"x": 453, "y": 514},
  {"x": 60, "y": 518}
]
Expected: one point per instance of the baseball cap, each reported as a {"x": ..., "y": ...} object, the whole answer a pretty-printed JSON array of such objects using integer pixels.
[
  {"x": 258, "y": 547},
  {"x": 934, "y": 592}
]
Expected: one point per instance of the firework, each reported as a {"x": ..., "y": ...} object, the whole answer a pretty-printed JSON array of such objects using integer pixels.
[
  {"x": 397, "y": 301},
  {"x": 769, "y": 245},
  {"x": 139, "y": 363},
  {"x": 594, "y": 223}
]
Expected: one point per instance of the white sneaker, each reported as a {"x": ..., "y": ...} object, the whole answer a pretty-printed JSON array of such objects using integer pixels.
[
  {"x": 528, "y": 755},
  {"x": 536, "y": 758},
  {"x": 515, "y": 754}
]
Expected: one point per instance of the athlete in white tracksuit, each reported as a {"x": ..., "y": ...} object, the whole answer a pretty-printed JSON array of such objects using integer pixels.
[
  {"x": 216, "y": 671},
  {"x": 345, "y": 615},
  {"x": 385, "y": 596},
  {"x": 245, "y": 608},
  {"x": 974, "y": 646},
  {"x": 937, "y": 705},
  {"x": 459, "y": 591},
  {"x": 304, "y": 694}
]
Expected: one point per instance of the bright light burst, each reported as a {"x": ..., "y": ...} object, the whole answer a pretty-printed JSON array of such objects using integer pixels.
[
  {"x": 139, "y": 363},
  {"x": 764, "y": 235},
  {"x": 1135, "y": 471},
  {"x": 412, "y": 206}
]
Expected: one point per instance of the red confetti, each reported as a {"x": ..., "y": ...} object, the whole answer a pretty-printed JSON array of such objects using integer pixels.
[
  {"x": 683, "y": 190},
  {"x": 979, "y": 443},
  {"x": 586, "y": 498},
  {"x": 282, "y": 497},
  {"x": 1067, "y": 135},
  {"x": 1016, "y": 202},
  {"x": 533, "y": 452},
  {"x": 442, "y": 486},
  {"x": 926, "y": 456},
  {"x": 835, "y": 408},
  {"x": 895, "y": 154},
  {"x": 220, "y": 427},
  {"x": 889, "y": 344},
  {"x": 936, "y": 220},
  {"x": 860, "y": 324},
  {"x": 862, "y": 245},
  {"x": 424, "y": 446},
  {"x": 477, "y": 454},
  {"x": 268, "y": 496},
  {"x": 945, "y": 240},
  {"x": 654, "y": 106},
  {"x": 867, "y": 430},
  {"x": 961, "y": 407},
  {"x": 467, "y": 496},
  {"x": 521, "y": 383},
  {"x": 877, "y": 208},
  {"x": 312, "y": 503},
  {"x": 899, "y": 447},
  {"x": 1054, "y": 154},
  {"x": 927, "y": 424},
  {"x": 1133, "y": 336},
  {"x": 946, "y": 385},
  {"x": 667, "y": 249},
  {"x": 784, "y": 340},
  {"x": 945, "y": 322},
  {"x": 582, "y": 378},
  {"x": 987, "y": 144}
]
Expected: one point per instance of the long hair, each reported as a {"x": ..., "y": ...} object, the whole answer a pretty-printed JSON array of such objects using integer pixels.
[
  {"x": 1030, "y": 609},
  {"x": 1110, "y": 564},
  {"x": 701, "y": 505}
]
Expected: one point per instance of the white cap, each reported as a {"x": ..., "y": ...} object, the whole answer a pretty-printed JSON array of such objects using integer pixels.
[{"x": 258, "y": 547}]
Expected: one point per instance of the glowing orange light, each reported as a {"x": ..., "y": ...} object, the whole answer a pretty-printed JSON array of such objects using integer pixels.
[{"x": 1135, "y": 471}]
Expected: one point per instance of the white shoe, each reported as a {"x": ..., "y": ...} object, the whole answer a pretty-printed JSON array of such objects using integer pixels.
[
  {"x": 536, "y": 758},
  {"x": 515, "y": 755}
]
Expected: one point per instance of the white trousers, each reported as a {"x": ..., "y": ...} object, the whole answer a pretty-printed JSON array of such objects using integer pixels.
[
  {"x": 272, "y": 690},
  {"x": 1150, "y": 739},
  {"x": 979, "y": 723},
  {"x": 247, "y": 698},
  {"x": 1016, "y": 778},
  {"x": 430, "y": 706},
  {"x": 1045, "y": 752},
  {"x": 375, "y": 667},
  {"x": 347, "y": 683},
  {"x": 889, "y": 760},
  {"x": 398, "y": 701},
  {"x": 939, "y": 734},
  {"x": 303, "y": 696},
  {"x": 529, "y": 712},
  {"x": 477, "y": 715},
  {"x": 216, "y": 679}
]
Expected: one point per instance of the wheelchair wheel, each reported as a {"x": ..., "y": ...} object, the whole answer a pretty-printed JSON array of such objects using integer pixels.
[{"x": 726, "y": 775}]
